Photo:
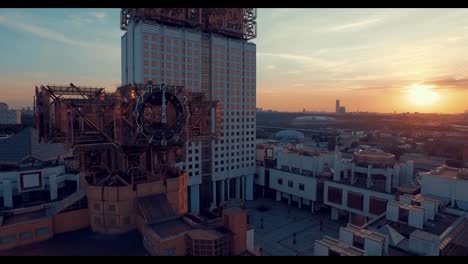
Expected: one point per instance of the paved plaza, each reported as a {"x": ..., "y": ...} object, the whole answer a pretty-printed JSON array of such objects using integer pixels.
[{"x": 277, "y": 235}]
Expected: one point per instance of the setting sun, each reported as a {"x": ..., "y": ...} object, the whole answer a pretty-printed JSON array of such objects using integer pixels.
[{"x": 422, "y": 95}]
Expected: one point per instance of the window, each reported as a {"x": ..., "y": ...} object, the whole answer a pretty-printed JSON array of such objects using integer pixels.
[
  {"x": 290, "y": 184},
  {"x": 7, "y": 239},
  {"x": 111, "y": 207},
  {"x": 301, "y": 186},
  {"x": 334, "y": 195},
  {"x": 355, "y": 200},
  {"x": 42, "y": 231},
  {"x": 25, "y": 235},
  {"x": 169, "y": 252},
  {"x": 97, "y": 220},
  {"x": 376, "y": 205},
  {"x": 280, "y": 181}
]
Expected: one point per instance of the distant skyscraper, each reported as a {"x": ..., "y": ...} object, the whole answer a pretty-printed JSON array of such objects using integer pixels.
[
  {"x": 337, "y": 106},
  {"x": 216, "y": 59}
]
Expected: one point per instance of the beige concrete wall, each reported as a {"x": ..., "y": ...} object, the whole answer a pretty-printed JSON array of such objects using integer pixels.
[{"x": 71, "y": 221}]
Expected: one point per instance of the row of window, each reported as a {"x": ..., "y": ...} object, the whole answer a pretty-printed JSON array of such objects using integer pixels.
[
  {"x": 232, "y": 140},
  {"x": 227, "y": 148},
  {"x": 236, "y": 127},
  {"x": 195, "y": 151},
  {"x": 234, "y": 160},
  {"x": 236, "y": 113},
  {"x": 242, "y": 134},
  {"x": 176, "y": 47},
  {"x": 235, "y": 147},
  {"x": 196, "y": 173},
  {"x": 291, "y": 184},
  {"x": 246, "y": 165},
  {"x": 24, "y": 235}
]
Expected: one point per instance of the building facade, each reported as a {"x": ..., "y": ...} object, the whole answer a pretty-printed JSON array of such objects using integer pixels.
[
  {"x": 447, "y": 183},
  {"x": 222, "y": 67},
  {"x": 357, "y": 189},
  {"x": 8, "y": 116}
]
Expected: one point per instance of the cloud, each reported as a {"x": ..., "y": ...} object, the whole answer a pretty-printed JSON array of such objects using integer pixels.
[
  {"x": 453, "y": 39},
  {"x": 450, "y": 83},
  {"x": 268, "y": 91},
  {"x": 43, "y": 32},
  {"x": 98, "y": 15},
  {"x": 353, "y": 25},
  {"x": 309, "y": 60},
  {"x": 36, "y": 30},
  {"x": 270, "y": 67}
]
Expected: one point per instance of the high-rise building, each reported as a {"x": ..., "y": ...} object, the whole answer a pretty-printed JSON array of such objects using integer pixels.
[
  {"x": 204, "y": 50},
  {"x": 337, "y": 106}
]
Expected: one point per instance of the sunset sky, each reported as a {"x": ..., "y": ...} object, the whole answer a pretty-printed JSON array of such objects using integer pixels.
[{"x": 381, "y": 60}]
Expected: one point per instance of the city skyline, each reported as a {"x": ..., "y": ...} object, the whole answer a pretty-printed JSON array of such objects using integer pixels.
[{"x": 377, "y": 60}]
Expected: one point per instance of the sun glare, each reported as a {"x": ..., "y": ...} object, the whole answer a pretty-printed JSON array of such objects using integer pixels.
[{"x": 422, "y": 95}]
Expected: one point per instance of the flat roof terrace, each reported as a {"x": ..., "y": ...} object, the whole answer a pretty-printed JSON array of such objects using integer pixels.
[
  {"x": 171, "y": 228},
  {"x": 449, "y": 173}
]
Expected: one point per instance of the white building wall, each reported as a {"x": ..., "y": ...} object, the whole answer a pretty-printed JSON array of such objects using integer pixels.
[
  {"x": 346, "y": 236},
  {"x": 319, "y": 249},
  {"x": 233, "y": 82},
  {"x": 310, "y": 184},
  {"x": 429, "y": 209},
  {"x": 451, "y": 189},
  {"x": 373, "y": 247},
  {"x": 416, "y": 218},
  {"x": 10, "y": 117},
  {"x": 366, "y": 197},
  {"x": 434, "y": 185},
  {"x": 52, "y": 179},
  {"x": 392, "y": 211},
  {"x": 250, "y": 240},
  {"x": 260, "y": 180},
  {"x": 424, "y": 247}
]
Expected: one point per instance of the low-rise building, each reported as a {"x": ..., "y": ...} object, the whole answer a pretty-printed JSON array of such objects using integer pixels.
[
  {"x": 292, "y": 173},
  {"x": 8, "y": 116},
  {"x": 447, "y": 183},
  {"x": 361, "y": 187}
]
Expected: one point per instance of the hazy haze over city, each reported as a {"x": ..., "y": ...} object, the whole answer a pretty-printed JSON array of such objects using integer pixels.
[{"x": 381, "y": 60}]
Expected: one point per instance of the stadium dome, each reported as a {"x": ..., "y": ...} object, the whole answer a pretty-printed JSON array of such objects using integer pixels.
[
  {"x": 313, "y": 118},
  {"x": 289, "y": 134}
]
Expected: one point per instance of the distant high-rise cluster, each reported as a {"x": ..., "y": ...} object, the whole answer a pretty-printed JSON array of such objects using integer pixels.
[{"x": 339, "y": 109}]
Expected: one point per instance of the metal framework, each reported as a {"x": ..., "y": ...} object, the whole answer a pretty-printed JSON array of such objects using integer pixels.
[
  {"x": 232, "y": 22},
  {"x": 102, "y": 130}
]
